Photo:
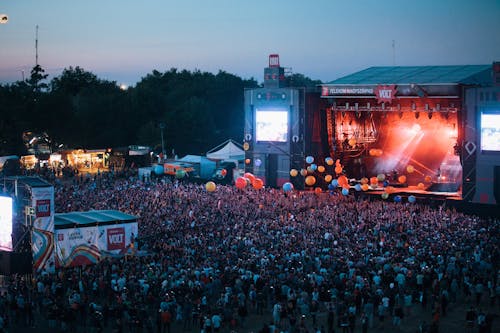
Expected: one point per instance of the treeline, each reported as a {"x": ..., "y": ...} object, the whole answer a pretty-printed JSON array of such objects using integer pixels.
[{"x": 78, "y": 110}]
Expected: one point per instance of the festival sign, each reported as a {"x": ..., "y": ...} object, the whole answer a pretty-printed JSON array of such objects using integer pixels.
[
  {"x": 42, "y": 237},
  {"x": 385, "y": 94}
]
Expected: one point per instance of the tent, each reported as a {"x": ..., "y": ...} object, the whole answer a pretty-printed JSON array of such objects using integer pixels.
[
  {"x": 226, "y": 151},
  {"x": 203, "y": 166}
]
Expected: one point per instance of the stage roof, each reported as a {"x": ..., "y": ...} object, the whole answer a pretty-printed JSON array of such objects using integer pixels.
[
  {"x": 466, "y": 74},
  {"x": 30, "y": 181},
  {"x": 91, "y": 218}
]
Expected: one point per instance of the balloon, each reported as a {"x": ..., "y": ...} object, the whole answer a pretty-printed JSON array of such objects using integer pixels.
[
  {"x": 294, "y": 172},
  {"x": 343, "y": 180},
  {"x": 357, "y": 187},
  {"x": 310, "y": 180},
  {"x": 379, "y": 152},
  {"x": 318, "y": 190},
  {"x": 180, "y": 174},
  {"x": 345, "y": 191},
  {"x": 223, "y": 172},
  {"x": 257, "y": 162},
  {"x": 385, "y": 195},
  {"x": 335, "y": 182},
  {"x": 337, "y": 162},
  {"x": 309, "y": 169},
  {"x": 428, "y": 179},
  {"x": 365, "y": 187},
  {"x": 410, "y": 169},
  {"x": 385, "y": 183},
  {"x": 373, "y": 152},
  {"x": 381, "y": 177},
  {"x": 338, "y": 169},
  {"x": 352, "y": 142},
  {"x": 247, "y": 161},
  {"x": 314, "y": 167},
  {"x": 258, "y": 183},
  {"x": 328, "y": 178},
  {"x": 389, "y": 189},
  {"x": 159, "y": 170},
  {"x": 321, "y": 168},
  {"x": 397, "y": 198},
  {"x": 309, "y": 159},
  {"x": 249, "y": 176},
  {"x": 246, "y": 146},
  {"x": 364, "y": 180},
  {"x": 402, "y": 179},
  {"x": 373, "y": 181},
  {"x": 303, "y": 172},
  {"x": 329, "y": 161},
  {"x": 421, "y": 186},
  {"x": 331, "y": 187},
  {"x": 412, "y": 199},
  {"x": 210, "y": 186},
  {"x": 287, "y": 187},
  {"x": 241, "y": 182}
]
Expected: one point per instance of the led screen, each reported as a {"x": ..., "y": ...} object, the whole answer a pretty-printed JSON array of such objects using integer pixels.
[
  {"x": 490, "y": 131},
  {"x": 5, "y": 223},
  {"x": 271, "y": 125}
]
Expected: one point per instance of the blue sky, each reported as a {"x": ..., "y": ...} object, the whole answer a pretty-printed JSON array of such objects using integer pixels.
[{"x": 124, "y": 40}]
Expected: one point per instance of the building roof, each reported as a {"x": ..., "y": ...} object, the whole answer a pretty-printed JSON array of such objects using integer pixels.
[
  {"x": 466, "y": 74},
  {"x": 91, "y": 218},
  {"x": 28, "y": 180}
]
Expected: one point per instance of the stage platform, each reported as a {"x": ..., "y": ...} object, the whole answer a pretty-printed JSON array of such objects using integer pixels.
[{"x": 436, "y": 191}]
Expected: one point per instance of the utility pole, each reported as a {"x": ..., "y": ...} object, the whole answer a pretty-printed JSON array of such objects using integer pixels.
[
  {"x": 162, "y": 127},
  {"x": 393, "y": 52},
  {"x": 36, "y": 46}
]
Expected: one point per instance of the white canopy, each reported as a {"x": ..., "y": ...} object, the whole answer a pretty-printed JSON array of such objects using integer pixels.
[{"x": 227, "y": 150}]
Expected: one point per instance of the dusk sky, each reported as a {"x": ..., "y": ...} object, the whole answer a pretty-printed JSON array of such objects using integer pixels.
[{"x": 124, "y": 40}]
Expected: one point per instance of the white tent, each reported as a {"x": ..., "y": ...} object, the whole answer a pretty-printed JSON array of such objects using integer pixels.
[{"x": 226, "y": 151}]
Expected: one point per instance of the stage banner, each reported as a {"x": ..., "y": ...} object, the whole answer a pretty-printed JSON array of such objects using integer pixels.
[
  {"x": 87, "y": 245},
  {"x": 42, "y": 236},
  {"x": 77, "y": 246}
]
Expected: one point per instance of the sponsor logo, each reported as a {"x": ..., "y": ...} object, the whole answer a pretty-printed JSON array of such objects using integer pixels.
[
  {"x": 385, "y": 93},
  {"x": 116, "y": 238},
  {"x": 43, "y": 208}
]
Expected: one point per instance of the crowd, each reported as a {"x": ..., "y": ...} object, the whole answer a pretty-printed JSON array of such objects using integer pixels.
[{"x": 297, "y": 261}]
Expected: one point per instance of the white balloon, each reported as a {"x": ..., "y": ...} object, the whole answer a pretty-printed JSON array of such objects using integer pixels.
[{"x": 4, "y": 18}]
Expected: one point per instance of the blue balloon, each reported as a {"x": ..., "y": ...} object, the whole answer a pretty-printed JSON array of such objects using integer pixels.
[
  {"x": 412, "y": 199},
  {"x": 287, "y": 187},
  {"x": 397, "y": 198},
  {"x": 159, "y": 169},
  {"x": 331, "y": 187},
  {"x": 257, "y": 162},
  {"x": 335, "y": 183},
  {"x": 345, "y": 191},
  {"x": 309, "y": 159},
  {"x": 314, "y": 167},
  {"x": 386, "y": 183},
  {"x": 357, "y": 187}
]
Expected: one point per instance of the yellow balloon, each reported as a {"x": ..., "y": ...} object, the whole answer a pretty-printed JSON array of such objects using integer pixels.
[
  {"x": 410, "y": 168},
  {"x": 210, "y": 186}
]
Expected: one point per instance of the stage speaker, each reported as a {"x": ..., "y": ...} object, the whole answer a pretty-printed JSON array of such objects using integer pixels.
[
  {"x": 4, "y": 263},
  {"x": 496, "y": 184},
  {"x": 21, "y": 263}
]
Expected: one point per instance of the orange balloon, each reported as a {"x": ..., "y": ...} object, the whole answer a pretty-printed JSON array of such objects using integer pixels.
[
  {"x": 410, "y": 168},
  {"x": 249, "y": 176},
  {"x": 241, "y": 182},
  {"x": 247, "y": 161},
  {"x": 364, "y": 180},
  {"x": 342, "y": 180},
  {"x": 258, "y": 183},
  {"x": 372, "y": 152},
  {"x": 365, "y": 187},
  {"x": 310, "y": 180},
  {"x": 303, "y": 172},
  {"x": 352, "y": 142},
  {"x": 421, "y": 186},
  {"x": 379, "y": 152},
  {"x": 294, "y": 172},
  {"x": 428, "y": 179},
  {"x": 210, "y": 186},
  {"x": 346, "y": 186},
  {"x": 321, "y": 168},
  {"x": 402, "y": 179},
  {"x": 328, "y": 178},
  {"x": 318, "y": 190},
  {"x": 338, "y": 169},
  {"x": 374, "y": 180},
  {"x": 329, "y": 161},
  {"x": 389, "y": 189}
]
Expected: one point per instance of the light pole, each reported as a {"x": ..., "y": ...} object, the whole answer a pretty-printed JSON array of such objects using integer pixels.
[{"x": 162, "y": 127}]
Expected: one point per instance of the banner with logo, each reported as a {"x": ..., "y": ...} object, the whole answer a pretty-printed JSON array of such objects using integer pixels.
[
  {"x": 86, "y": 245},
  {"x": 42, "y": 236}
]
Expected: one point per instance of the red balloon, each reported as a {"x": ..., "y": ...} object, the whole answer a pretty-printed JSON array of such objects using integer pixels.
[
  {"x": 249, "y": 176},
  {"x": 241, "y": 182},
  {"x": 258, "y": 183},
  {"x": 342, "y": 180}
]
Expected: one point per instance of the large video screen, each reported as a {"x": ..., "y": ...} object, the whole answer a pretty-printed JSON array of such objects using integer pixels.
[
  {"x": 271, "y": 125},
  {"x": 5, "y": 223},
  {"x": 490, "y": 131}
]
